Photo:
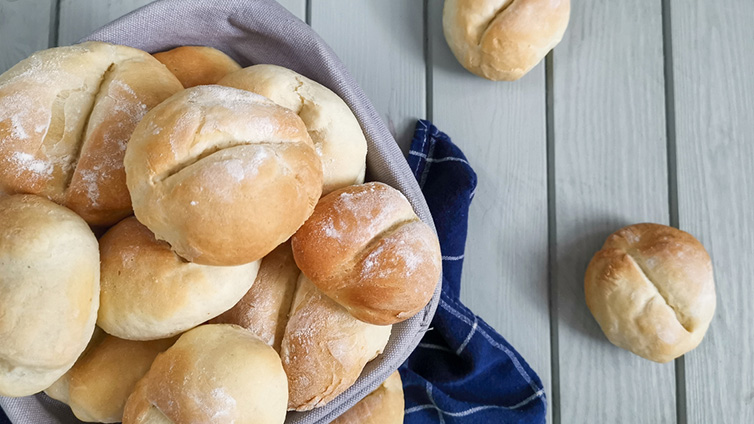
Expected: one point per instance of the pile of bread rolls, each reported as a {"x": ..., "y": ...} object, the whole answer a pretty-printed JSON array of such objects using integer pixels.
[{"x": 243, "y": 267}]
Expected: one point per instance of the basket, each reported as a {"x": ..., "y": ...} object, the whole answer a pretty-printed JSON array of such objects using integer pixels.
[{"x": 253, "y": 32}]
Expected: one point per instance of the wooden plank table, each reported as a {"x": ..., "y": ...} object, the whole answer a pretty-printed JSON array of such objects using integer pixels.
[{"x": 642, "y": 113}]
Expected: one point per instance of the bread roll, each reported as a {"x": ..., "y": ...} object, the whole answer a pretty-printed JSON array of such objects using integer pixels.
[
  {"x": 365, "y": 247},
  {"x": 148, "y": 292},
  {"x": 213, "y": 374},
  {"x": 221, "y": 174},
  {"x": 197, "y": 65},
  {"x": 66, "y": 115},
  {"x": 336, "y": 133},
  {"x": 383, "y": 406},
  {"x": 97, "y": 386},
  {"x": 652, "y": 291},
  {"x": 264, "y": 308},
  {"x": 49, "y": 292},
  {"x": 324, "y": 348},
  {"x": 503, "y": 39}
]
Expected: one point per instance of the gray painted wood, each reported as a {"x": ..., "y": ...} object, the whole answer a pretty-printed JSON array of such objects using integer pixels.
[
  {"x": 78, "y": 18},
  {"x": 297, "y": 7},
  {"x": 714, "y": 100},
  {"x": 381, "y": 43},
  {"x": 24, "y": 29},
  {"x": 610, "y": 171},
  {"x": 501, "y": 128}
]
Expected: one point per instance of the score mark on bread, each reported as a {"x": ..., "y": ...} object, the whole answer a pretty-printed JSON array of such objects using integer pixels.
[
  {"x": 365, "y": 248},
  {"x": 66, "y": 115},
  {"x": 222, "y": 174}
]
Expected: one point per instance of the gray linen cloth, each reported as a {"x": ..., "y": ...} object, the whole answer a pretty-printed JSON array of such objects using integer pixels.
[{"x": 252, "y": 32}]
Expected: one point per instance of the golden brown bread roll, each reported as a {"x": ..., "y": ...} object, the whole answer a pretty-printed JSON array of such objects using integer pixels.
[
  {"x": 336, "y": 133},
  {"x": 324, "y": 348},
  {"x": 503, "y": 39},
  {"x": 365, "y": 248},
  {"x": 197, "y": 65},
  {"x": 221, "y": 174},
  {"x": 383, "y": 406},
  {"x": 66, "y": 115},
  {"x": 49, "y": 292},
  {"x": 97, "y": 386},
  {"x": 264, "y": 308},
  {"x": 148, "y": 292},
  {"x": 652, "y": 291},
  {"x": 217, "y": 373}
]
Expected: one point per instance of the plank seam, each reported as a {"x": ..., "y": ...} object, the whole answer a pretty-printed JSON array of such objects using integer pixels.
[
  {"x": 54, "y": 31},
  {"x": 670, "y": 135},
  {"x": 552, "y": 239},
  {"x": 428, "y": 83}
]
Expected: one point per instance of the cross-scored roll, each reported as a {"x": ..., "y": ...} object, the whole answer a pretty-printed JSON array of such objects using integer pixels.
[
  {"x": 503, "y": 39},
  {"x": 217, "y": 373},
  {"x": 365, "y": 248},
  {"x": 222, "y": 174},
  {"x": 66, "y": 115},
  {"x": 49, "y": 292},
  {"x": 148, "y": 292},
  {"x": 336, "y": 133},
  {"x": 652, "y": 290},
  {"x": 325, "y": 348}
]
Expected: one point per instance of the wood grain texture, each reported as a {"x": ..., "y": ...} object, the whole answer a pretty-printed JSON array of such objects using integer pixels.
[
  {"x": 78, "y": 18},
  {"x": 381, "y": 44},
  {"x": 24, "y": 29},
  {"x": 501, "y": 128},
  {"x": 714, "y": 100},
  {"x": 610, "y": 171}
]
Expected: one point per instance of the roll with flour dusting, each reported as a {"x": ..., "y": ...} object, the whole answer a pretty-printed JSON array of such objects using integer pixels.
[
  {"x": 503, "y": 39},
  {"x": 149, "y": 292},
  {"x": 49, "y": 292},
  {"x": 325, "y": 348},
  {"x": 263, "y": 310},
  {"x": 337, "y": 136},
  {"x": 222, "y": 174},
  {"x": 66, "y": 115},
  {"x": 365, "y": 248},
  {"x": 218, "y": 373},
  {"x": 97, "y": 386}
]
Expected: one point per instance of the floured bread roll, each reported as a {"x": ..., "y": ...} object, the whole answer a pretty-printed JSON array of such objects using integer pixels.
[
  {"x": 503, "y": 39},
  {"x": 383, "y": 406},
  {"x": 197, "y": 65},
  {"x": 148, "y": 292},
  {"x": 66, "y": 115},
  {"x": 264, "y": 308},
  {"x": 324, "y": 348},
  {"x": 49, "y": 292},
  {"x": 221, "y": 174},
  {"x": 652, "y": 290},
  {"x": 97, "y": 386},
  {"x": 365, "y": 248},
  {"x": 216, "y": 373},
  {"x": 332, "y": 126}
]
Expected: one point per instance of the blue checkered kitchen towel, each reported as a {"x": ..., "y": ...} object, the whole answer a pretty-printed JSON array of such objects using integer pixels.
[{"x": 463, "y": 371}]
